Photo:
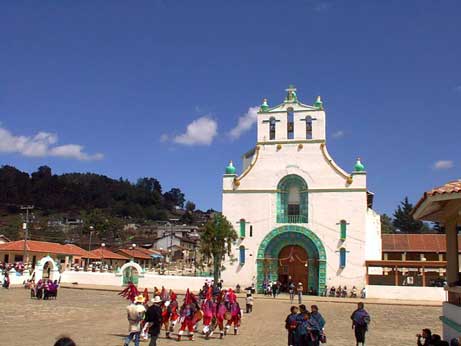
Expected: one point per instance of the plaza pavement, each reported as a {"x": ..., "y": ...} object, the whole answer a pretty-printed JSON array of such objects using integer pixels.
[{"x": 98, "y": 317}]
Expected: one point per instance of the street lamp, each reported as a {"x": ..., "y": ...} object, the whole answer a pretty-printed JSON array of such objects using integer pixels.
[
  {"x": 91, "y": 235},
  {"x": 102, "y": 255}
]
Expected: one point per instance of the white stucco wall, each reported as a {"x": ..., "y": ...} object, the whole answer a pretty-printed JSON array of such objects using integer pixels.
[
  {"x": 179, "y": 283},
  {"x": 436, "y": 294}
]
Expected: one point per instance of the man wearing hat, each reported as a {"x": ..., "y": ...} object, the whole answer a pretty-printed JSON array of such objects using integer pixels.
[
  {"x": 135, "y": 314},
  {"x": 154, "y": 318}
]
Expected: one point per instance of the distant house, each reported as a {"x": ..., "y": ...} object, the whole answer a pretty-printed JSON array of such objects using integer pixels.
[
  {"x": 66, "y": 255},
  {"x": 138, "y": 256},
  {"x": 416, "y": 247},
  {"x": 110, "y": 258}
]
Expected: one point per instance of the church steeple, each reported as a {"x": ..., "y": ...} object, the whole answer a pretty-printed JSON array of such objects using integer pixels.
[{"x": 291, "y": 94}]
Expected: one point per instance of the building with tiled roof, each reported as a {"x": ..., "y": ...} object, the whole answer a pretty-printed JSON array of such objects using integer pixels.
[
  {"x": 110, "y": 258},
  {"x": 443, "y": 204},
  {"x": 138, "y": 256},
  {"x": 66, "y": 255}
]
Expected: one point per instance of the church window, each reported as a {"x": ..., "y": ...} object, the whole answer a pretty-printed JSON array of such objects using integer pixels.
[
  {"x": 251, "y": 231},
  {"x": 242, "y": 255},
  {"x": 292, "y": 200},
  {"x": 342, "y": 258},
  {"x": 308, "y": 127},
  {"x": 242, "y": 228},
  {"x": 290, "y": 124},
  {"x": 343, "y": 229},
  {"x": 272, "y": 128}
]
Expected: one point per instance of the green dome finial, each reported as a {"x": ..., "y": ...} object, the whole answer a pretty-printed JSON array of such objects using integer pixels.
[
  {"x": 359, "y": 167},
  {"x": 230, "y": 169},
  {"x": 318, "y": 103},
  {"x": 265, "y": 106}
]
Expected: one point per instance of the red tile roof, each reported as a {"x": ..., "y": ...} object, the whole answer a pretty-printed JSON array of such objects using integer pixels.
[
  {"x": 148, "y": 251},
  {"x": 42, "y": 246},
  {"x": 415, "y": 242},
  {"x": 450, "y": 187},
  {"x": 134, "y": 253},
  {"x": 103, "y": 252},
  {"x": 81, "y": 252}
]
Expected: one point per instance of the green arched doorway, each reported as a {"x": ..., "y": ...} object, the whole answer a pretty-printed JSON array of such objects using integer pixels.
[{"x": 274, "y": 246}]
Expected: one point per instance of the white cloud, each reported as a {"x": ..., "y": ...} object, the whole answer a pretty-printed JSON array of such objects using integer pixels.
[
  {"x": 164, "y": 138},
  {"x": 443, "y": 164},
  {"x": 42, "y": 145},
  {"x": 199, "y": 132},
  {"x": 244, "y": 123},
  {"x": 338, "y": 134}
]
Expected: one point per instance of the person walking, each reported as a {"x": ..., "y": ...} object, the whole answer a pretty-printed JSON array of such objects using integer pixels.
[
  {"x": 274, "y": 289},
  {"x": 291, "y": 324},
  {"x": 299, "y": 291},
  {"x": 135, "y": 314},
  {"x": 249, "y": 303},
  {"x": 360, "y": 320},
  {"x": 291, "y": 291},
  {"x": 154, "y": 319}
]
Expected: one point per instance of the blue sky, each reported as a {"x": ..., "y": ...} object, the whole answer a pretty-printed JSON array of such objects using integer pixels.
[{"x": 153, "y": 88}]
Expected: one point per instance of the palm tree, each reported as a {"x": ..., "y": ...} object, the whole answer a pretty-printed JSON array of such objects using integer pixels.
[{"x": 216, "y": 242}]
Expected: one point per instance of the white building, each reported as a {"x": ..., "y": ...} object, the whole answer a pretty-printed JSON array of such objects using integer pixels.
[{"x": 299, "y": 215}]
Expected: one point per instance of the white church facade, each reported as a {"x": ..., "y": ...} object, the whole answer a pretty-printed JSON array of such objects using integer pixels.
[{"x": 299, "y": 215}]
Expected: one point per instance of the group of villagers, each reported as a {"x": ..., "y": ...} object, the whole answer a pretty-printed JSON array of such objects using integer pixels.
[{"x": 216, "y": 311}]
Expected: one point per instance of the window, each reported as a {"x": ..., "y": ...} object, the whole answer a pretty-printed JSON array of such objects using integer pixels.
[
  {"x": 343, "y": 229},
  {"x": 308, "y": 127},
  {"x": 290, "y": 124},
  {"x": 242, "y": 228},
  {"x": 342, "y": 258},
  {"x": 242, "y": 255},
  {"x": 251, "y": 231},
  {"x": 272, "y": 128},
  {"x": 292, "y": 200}
]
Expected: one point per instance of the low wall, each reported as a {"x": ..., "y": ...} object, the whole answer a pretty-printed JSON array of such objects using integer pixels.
[
  {"x": 406, "y": 293},
  {"x": 179, "y": 283}
]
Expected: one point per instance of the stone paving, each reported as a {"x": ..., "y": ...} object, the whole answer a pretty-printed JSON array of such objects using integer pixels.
[{"x": 99, "y": 318}]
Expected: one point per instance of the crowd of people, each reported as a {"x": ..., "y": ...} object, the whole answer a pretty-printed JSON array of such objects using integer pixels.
[
  {"x": 44, "y": 289},
  {"x": 426, "y": 338},
  {"x": 217, "y": 310},
  {"x": 307, "y": 328}
]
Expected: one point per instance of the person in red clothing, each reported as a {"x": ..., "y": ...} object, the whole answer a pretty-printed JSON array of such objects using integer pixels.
[
  {"x": 187, "y": 313},
  {"x": 173, "y": 311},
  {"x": 209, "y": 312},
  {"x": 236, "y": 313},
  {"x": 221, "y": 312}
]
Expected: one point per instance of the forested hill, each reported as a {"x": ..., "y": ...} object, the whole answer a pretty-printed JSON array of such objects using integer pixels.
[{"x": 80, "y": 192}]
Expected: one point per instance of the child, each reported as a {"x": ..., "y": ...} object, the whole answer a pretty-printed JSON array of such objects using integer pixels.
[{"x": 249, "y": 303}]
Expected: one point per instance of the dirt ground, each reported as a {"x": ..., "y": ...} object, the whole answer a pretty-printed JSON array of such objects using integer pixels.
[{"x": 99, "y": 318}]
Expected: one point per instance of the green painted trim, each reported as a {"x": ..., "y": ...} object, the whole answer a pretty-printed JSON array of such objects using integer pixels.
[
  {"x": 230, "y": 175},
  {"x": 309, "y": 191},
  {"x": 359, "y": 173},
  {"x": 306, "y": 109},
  {"x": 287, "y": 235},
  {"x": 292, "y": 141},
  {"x": 450, "y": 323}
]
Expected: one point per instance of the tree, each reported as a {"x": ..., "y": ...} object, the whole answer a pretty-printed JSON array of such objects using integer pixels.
[
  {"x": 404, "y": 221},
  {"x": 438, "y": 228},
  {"x": 216, "y": 242},
  {"x": 174, "y": 197},
  {"x": 386, "y": 224},
  {"x": 188, "y": 217}
]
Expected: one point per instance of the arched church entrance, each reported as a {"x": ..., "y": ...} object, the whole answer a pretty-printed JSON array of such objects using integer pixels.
[
  {"x": 293, "y": 267},
  {"x": 292, "y": 251}
]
